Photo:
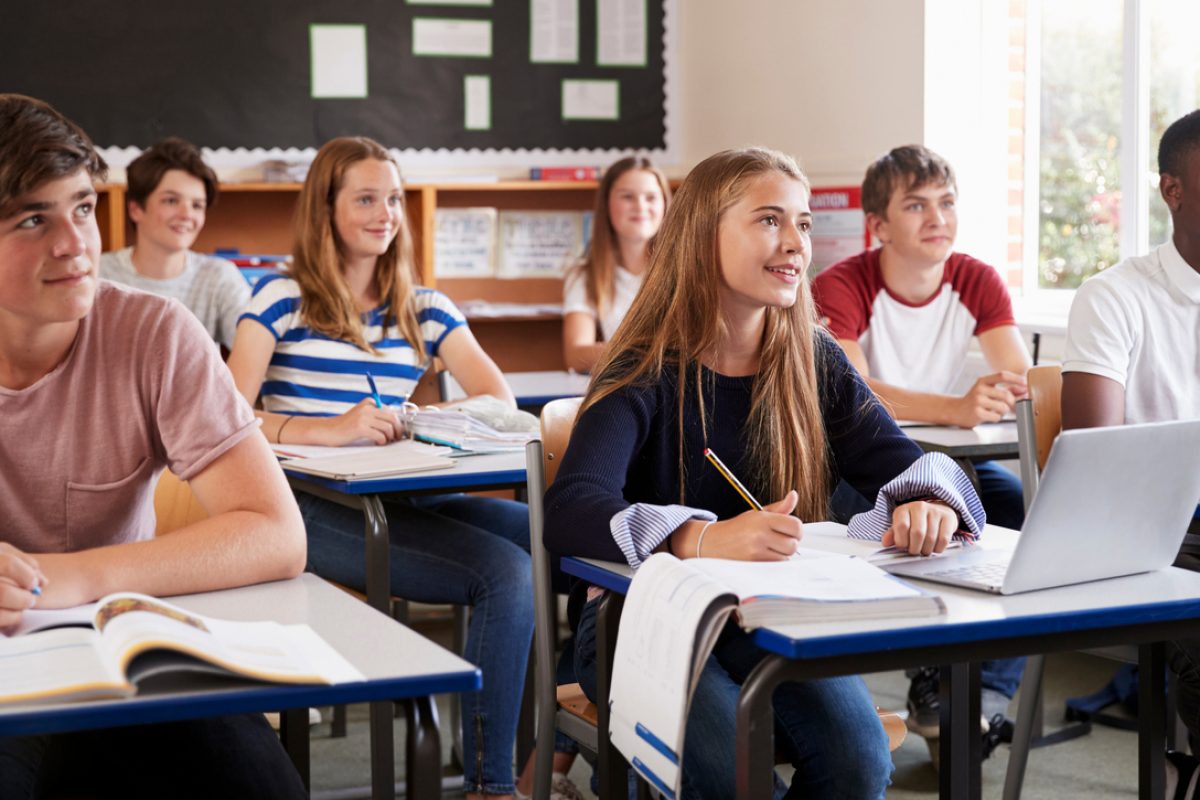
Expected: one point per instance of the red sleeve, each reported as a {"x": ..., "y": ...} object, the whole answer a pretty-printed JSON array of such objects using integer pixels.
[
  {"x": 843, "y": 295},
  {"x": 982, "y": 291}
]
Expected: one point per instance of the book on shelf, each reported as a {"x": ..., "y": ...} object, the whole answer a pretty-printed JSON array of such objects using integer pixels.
[
  {"x": 564, "y": 173},
  {"x": 108, "y": 648},
  {"x": 675, "y": 611}
]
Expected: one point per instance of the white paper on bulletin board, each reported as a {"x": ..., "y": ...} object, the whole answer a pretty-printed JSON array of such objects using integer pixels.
[
  {"x": 464, "y": 243},
  {"x": 538, "y": 244},
  {"x": 839, "y": 226}
]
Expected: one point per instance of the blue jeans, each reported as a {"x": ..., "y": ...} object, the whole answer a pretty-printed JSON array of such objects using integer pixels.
[
  {"x": 462, "y": 550},
  {"x": 828, "y": 728}
]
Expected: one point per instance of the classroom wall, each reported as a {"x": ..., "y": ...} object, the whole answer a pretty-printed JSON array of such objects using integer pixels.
[{"x": 835, "y": 84}]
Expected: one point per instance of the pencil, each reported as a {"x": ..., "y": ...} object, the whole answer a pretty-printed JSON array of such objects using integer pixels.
[
  {"x": 733, "y": 481},
  {"x": 374, "y": 391}
]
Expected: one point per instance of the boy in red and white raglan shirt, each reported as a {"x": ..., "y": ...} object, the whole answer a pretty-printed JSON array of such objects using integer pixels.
[{"x": 906, "y": 314}]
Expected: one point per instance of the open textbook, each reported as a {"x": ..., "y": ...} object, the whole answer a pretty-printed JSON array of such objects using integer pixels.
[
  {"x": 674, "y": 613},
  {"x": 131, "y": 637}
]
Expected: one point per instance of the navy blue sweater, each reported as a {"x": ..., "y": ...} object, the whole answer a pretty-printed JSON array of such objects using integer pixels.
[{"x": 624, "y": 450}]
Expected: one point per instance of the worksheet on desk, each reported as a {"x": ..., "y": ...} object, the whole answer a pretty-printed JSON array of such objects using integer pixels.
[{"x": 670, "y": 622}]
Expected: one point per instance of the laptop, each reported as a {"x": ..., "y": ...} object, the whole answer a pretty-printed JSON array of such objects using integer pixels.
[{"x": 1111, "y": 502}]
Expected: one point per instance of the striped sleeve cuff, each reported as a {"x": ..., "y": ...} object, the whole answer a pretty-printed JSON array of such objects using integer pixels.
[
  {"x": 643, "y": 526},
  {"x": 932, "y": 475}
]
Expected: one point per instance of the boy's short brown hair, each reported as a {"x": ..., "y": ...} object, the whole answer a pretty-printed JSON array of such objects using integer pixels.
[
  {"x": 38, "y": 144},
  {"x": 146, "y": 171},
  {"x": 906, "y": 168}
]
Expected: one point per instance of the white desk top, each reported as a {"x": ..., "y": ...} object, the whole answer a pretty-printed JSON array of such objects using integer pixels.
[
  {"x": 992, "y": 439},
  {"x": 537, "y": 388},
  {"x": 976, "y": 616},
  {"x": 473, "y": 472},
  {"x": 402, "y": 661}
]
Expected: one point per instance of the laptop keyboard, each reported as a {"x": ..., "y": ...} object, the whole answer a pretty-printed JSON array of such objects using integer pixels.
[{"x": 988, "y": 573}]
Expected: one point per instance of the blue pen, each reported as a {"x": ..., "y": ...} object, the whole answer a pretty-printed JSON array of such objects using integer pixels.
[
  {"x": 36, "y": 591},
  {"x": 375, "y": 391}
]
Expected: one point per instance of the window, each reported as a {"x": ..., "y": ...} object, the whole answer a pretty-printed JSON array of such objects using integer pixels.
[{"x": 1103, "y": 79}]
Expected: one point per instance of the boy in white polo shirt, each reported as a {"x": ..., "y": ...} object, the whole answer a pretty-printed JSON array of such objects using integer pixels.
[
  {"x": 1133, "y": 349},
  {"x": 906, "y": 314}
]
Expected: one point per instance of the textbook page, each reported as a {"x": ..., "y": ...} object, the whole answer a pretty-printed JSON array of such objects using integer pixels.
[
  {"x": 133, "y": 624},
  {"x": 63, "y": 664},
  {"x": 668, "y": 607},
  {"x": 815, "y": 576},
  {"x": 830, "y": 537}
]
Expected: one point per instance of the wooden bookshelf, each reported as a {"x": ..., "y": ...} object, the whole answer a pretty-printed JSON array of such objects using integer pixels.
[{"x": 257, "y": 218}]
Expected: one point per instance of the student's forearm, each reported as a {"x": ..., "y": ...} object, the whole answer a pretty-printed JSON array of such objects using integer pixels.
[
  {"x": 582, "y": 357},
  {"x": 236, "y": 548},
  {"x": 916, "y": 406}
]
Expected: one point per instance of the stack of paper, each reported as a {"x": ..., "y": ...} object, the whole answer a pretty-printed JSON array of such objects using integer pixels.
[{"x": 462, "y": 432}]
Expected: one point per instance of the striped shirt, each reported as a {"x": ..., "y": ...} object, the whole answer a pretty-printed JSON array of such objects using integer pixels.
[{"x": 311, "y": 374}]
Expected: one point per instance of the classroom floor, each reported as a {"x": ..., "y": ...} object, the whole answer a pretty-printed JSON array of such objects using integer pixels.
[{"x": 1099, "y": 766}]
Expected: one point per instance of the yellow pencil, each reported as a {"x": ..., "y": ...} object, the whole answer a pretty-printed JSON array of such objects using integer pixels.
[{"x": 729, "y": 476}]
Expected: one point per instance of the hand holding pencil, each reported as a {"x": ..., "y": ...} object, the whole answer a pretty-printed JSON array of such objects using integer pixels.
[{"x": 764, "y": 533}]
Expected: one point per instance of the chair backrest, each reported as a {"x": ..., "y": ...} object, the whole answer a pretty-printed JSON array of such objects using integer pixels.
[
  {"x": 175, "y": 506},
  {"x": 1039, "y": 421},
  {"x": 558, "y": 418},
  {"x": 542, "y": 457}
]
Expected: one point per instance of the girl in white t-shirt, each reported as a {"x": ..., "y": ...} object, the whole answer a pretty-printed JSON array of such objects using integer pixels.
[{"x": 630, "y": 201}]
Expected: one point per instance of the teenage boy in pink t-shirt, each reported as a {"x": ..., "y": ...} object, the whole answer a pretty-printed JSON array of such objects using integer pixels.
[
  {"x": 906, "y": 314},
  {"x": 100, "y": 389}
]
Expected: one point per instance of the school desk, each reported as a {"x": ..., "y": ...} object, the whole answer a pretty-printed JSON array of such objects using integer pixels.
[
  {"x": 469, "y": 473},
  {"x": 399, "y": 665},
  {"x": 533, "y": 389},
  {"x": 988, "y": 440},
  {"x": 1142, "y": 609}
]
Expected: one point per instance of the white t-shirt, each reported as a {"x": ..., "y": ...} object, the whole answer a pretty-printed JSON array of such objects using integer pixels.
[
  {"x": 917, "y": 346},
  {"x": 1138, "y": 323},
  {"x": 575, "y": 298},
  {"x": 211, "y": 287}
]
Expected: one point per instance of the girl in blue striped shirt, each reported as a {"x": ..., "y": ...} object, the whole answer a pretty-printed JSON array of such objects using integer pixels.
[{"x": 347, "y": 307}]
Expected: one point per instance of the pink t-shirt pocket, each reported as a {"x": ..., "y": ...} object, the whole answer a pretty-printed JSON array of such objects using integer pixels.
[{"x": 112, "y": 512}]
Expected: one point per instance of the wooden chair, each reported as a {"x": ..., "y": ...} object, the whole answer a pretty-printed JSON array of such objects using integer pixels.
[
  {"x": 174, "y": 504},
  {"x": 566, "y": 708}
]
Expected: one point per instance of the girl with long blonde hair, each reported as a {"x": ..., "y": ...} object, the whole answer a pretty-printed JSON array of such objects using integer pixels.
[
  {"x": 630, "y": 201},
  {"x": 721, "y": 350},
  {"x": 305, "y": 345}
]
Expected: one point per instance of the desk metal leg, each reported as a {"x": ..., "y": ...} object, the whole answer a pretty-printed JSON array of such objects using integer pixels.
[
  {"x": 755, "y": 740},
  {"x": 1152, "y": 720},
  {"x": 423, "y": 750},
  {"x": 960, "y": 745},
  {"x": 383, "y": 762},
  {"x": 293, "y": 731},
  {"x": 378, "y": 554},
  {"x": 614, "y": 782}
]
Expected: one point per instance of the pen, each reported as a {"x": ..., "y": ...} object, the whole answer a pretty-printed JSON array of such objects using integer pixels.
[
  {"x": 36, "y": 591},
  {"x": 729, "y": 476},
  {"x": 374, "y": 391}
]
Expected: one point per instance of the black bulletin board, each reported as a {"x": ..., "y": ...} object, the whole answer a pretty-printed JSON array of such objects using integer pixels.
[{"x": 236, "y": 74}]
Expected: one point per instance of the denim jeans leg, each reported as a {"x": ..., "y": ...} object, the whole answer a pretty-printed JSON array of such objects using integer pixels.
[
  {"x": 439, "y": 558},
  {"x": 828, "y": 728}
]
